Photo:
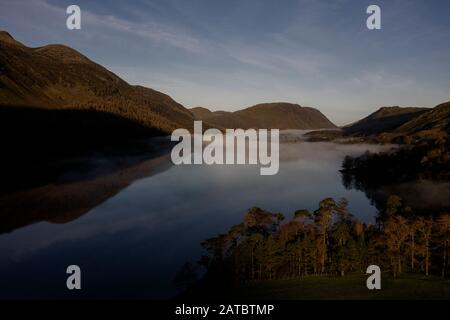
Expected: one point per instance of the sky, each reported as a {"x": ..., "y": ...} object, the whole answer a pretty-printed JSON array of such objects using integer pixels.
[{"x": 232, "y": 54}]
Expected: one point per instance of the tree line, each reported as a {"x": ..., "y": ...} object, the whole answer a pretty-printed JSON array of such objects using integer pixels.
[{"x": 329, "y": 241}]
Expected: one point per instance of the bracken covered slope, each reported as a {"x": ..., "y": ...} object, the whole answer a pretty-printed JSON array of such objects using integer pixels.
[{"x": 58, "y": 77}]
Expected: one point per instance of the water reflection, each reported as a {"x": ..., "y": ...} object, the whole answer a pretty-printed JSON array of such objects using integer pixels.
[
  {"x": 66, "y": 201},
  {"x": 138, "y": 234}
]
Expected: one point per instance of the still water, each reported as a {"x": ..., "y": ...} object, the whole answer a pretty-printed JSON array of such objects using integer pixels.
[{"x": 130, "y": 230}]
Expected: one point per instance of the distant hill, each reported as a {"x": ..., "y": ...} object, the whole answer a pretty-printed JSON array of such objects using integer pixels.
[
  {"x": 57, "y": 77},
  {"x": 202, "y": 113},
  {"x": 384, "y": 119},
  {"x": 280, "y": 115}
]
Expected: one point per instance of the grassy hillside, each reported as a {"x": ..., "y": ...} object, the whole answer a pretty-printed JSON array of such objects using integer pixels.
[
  {"x": 436, "y": 119},
  {"x": 58, "y": 77}
]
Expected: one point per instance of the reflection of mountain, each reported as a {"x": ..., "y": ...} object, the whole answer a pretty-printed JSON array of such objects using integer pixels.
[
  {"x": 278, "y": 115},
  {"x": 37, "y": 143},
  {"x": 77, "y": 192},
  {"x": 56, "y": 105}
]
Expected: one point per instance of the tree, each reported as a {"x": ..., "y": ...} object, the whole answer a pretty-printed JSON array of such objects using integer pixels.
[
  {"x": 413, "y": 228},
  {"x": 254, "y": 249},
  {"x": 393, "y": 205},
  {"x": 341, "y": 237},
  {"x": 342, "y": 211},
  {"x": 443, "y": 235},
  {"x": 425, "y": 226},
  {"x": 272, "y": 257},
  {"x": 395, "y": 234},
  {"x": 362, "y": 251},
  {"x": 323, "y": 218},
  {"x": 302, "y": 214},
  {"x": 254, "y": 241}
]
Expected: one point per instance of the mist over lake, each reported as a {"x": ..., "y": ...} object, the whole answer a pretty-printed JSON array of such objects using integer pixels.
[{"x": 133, "y": 243}]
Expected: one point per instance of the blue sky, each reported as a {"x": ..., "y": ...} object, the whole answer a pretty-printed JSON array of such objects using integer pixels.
[{"x": 233, "y": 54}]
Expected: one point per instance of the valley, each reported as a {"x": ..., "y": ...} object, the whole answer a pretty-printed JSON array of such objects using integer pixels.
[{"x": 87, "y": 176}]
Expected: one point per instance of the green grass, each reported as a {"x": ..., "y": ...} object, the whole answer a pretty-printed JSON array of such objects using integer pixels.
[{"x": 352, "y": 286}]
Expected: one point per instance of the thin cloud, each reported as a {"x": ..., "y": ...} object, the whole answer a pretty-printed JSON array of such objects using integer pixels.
[
  {"x": 303, "y": 61},
  {"x": 159, "y": 33},
  {"x": 93, "y": 23}
]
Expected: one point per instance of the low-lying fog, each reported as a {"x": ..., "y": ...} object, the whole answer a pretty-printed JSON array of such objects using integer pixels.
[{"x": 143, "y": 234}]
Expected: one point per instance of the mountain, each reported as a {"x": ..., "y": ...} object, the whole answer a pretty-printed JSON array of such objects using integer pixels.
[
  {"x": 433, "y": 120},
  {"x": 404, "y": 125},
  {"x": 383, "y": 120},
  {"x": 278, "y": 115},
  {"x": 201, "y": 113},
  {"x": 56, "y": 77}
]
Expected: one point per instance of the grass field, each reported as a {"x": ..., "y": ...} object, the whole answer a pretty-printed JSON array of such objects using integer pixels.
[{"x": 352, "y": 286}]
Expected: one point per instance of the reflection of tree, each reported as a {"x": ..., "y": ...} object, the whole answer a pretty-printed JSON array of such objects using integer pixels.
[
  {"x": 374, "y": 174},
  {"x": 330, "y": 242}
]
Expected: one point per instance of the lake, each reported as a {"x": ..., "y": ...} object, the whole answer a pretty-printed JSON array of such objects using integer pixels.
[{"x": 131, "y": 229}]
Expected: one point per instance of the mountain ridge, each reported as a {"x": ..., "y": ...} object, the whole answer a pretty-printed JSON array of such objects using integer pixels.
[
  {"x": 58, "y": 77},
  {"x": 384, "y": 119},
  {"x": 437, "y": 118},
  {"x": 276, "y": 115}
]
